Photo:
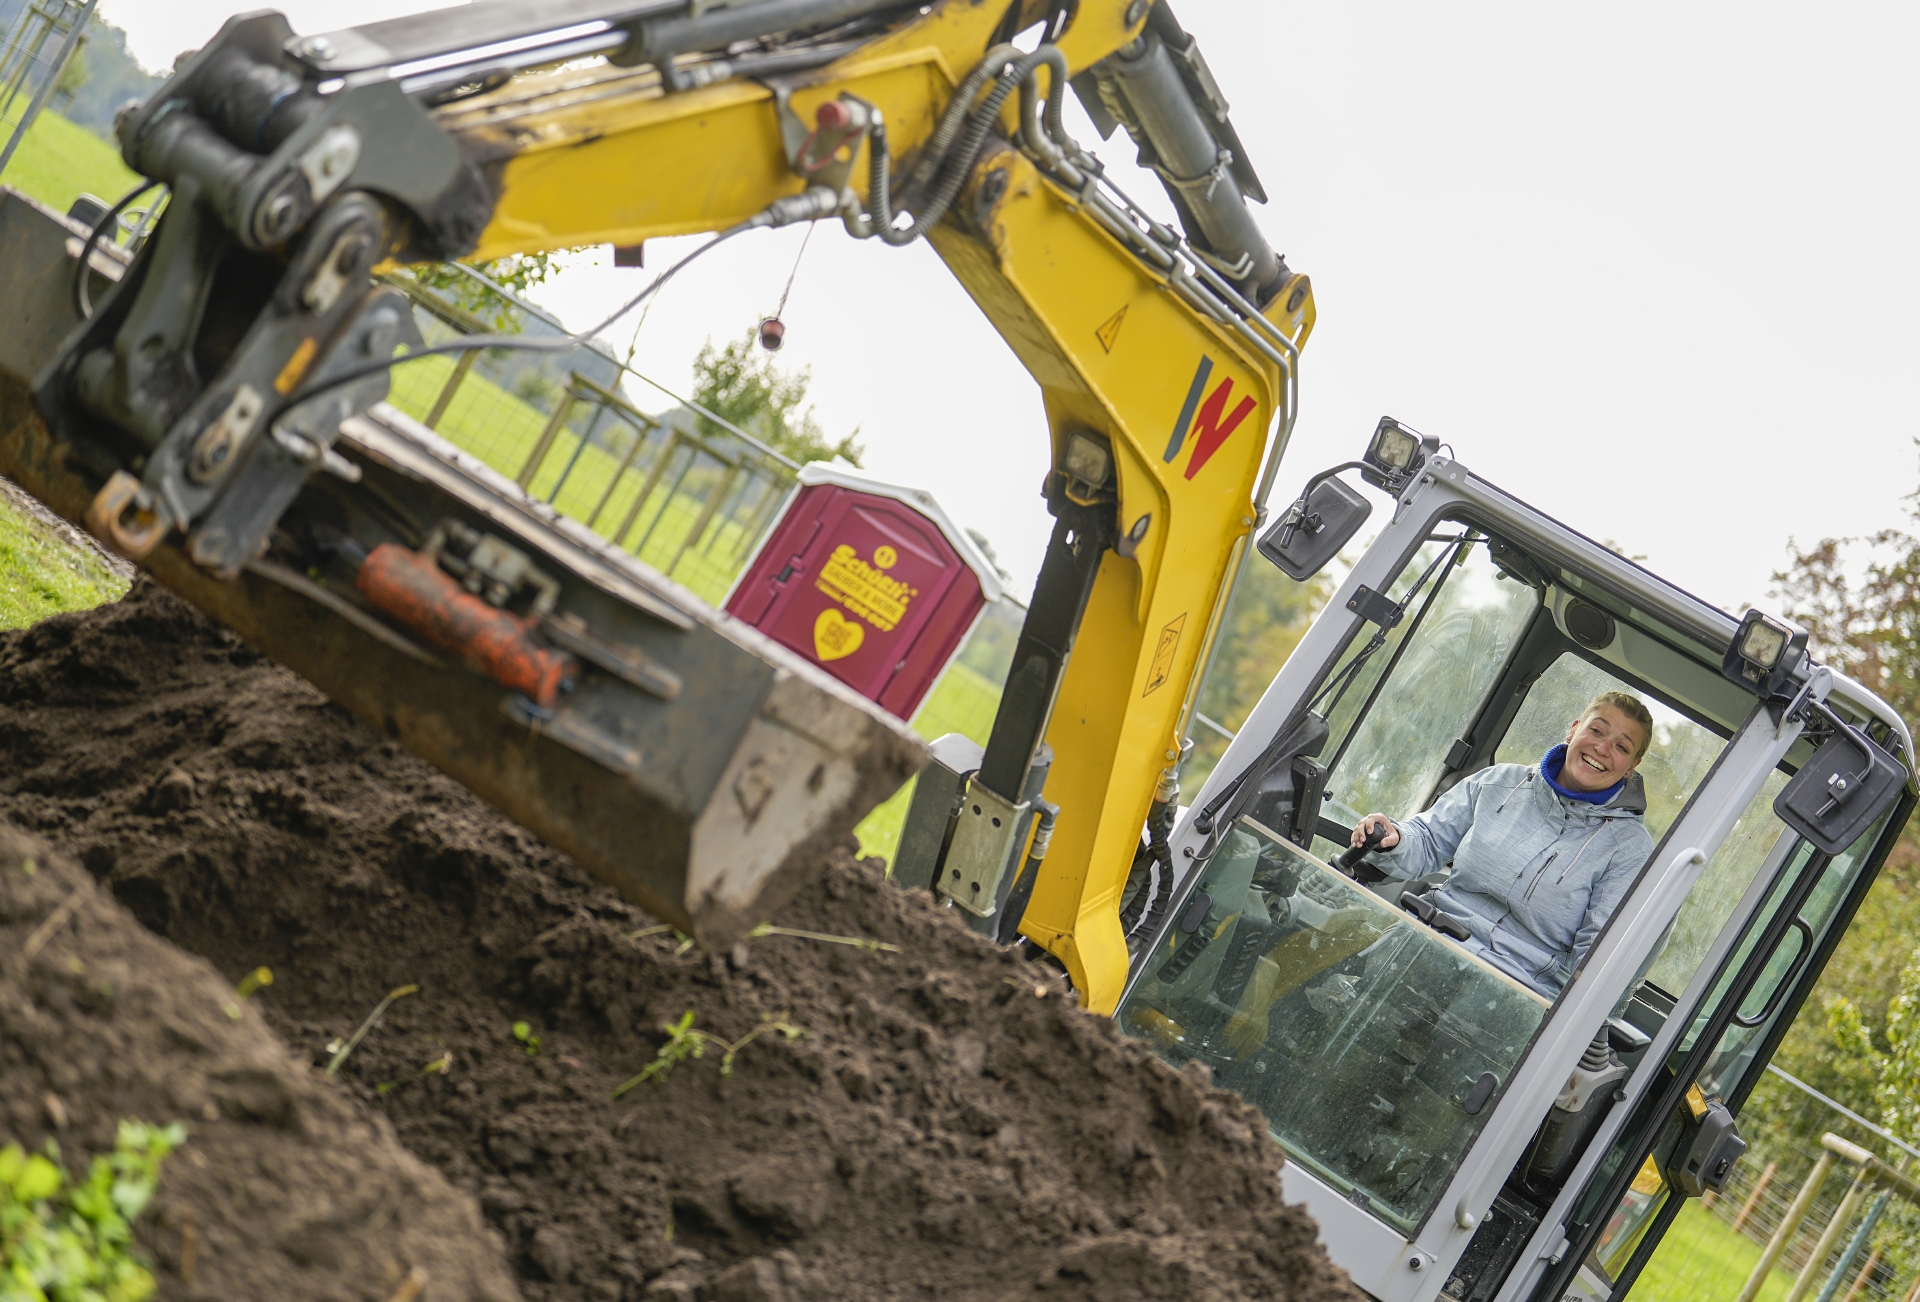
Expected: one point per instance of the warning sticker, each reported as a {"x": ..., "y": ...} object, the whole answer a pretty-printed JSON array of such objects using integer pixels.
[
  {"x": 1109, "y": 330},
  {"x": 1163, "y": 656},
  {"x": 866, "y": 589}
]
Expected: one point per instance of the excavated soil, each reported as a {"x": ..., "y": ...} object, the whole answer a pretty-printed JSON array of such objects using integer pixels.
[{"x": 940, "y": 1123}]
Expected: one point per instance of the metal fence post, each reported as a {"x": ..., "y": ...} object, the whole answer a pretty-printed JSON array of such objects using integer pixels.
[
  {"x": 727, "y": 513},
  {"x": 640, "y": 436},
  {"x": 707, "y": 508},
  {"x": 1866, "y": 1273},
  {"x": 694, "y": 448},
  {"x": 647, "y": 486},
  {"x": 1862, "y": 1160},
  {"x": 1854, "y": 1245},
  {"x": 40, "y": 97}
]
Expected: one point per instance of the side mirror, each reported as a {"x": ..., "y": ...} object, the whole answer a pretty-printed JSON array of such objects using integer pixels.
[
  {"x": 1847, "y": 784},
  {"x": 1314, "y": 529}
]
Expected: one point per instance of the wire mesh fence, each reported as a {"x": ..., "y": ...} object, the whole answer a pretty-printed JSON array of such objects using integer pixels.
[
  {"x": 1821, "y": 1209},
  {"x": 682, "y": 491},
  {"x": 40, "y": 42}
]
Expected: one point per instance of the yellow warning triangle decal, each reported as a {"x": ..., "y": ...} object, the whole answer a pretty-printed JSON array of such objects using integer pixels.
[{"x": 1110, "y": 329}]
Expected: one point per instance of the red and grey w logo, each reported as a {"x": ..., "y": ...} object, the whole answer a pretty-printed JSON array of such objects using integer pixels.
[{"x": 1209, "y": 422}]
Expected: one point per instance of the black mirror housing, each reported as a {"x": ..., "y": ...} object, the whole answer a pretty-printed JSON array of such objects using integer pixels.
[
  {"x": 1838, "y": 793},
  {"x": 1314, "y": 529}
]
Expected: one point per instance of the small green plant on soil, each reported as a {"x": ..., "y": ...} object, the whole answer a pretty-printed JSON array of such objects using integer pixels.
[
  {"x": 340, "y": 1050},
  {"x": 438, "y": 1067},
  {"x": 523, "y": 1032},
  {"x": 252, "y": 981},
  {"x": 857, "y": 942},
  {"x": 685, "y": 1040},
  {"x": 67, "y": 1242}
]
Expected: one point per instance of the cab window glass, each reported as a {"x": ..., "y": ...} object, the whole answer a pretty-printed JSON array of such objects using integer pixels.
[
  {"x": 1373, "y": 1045},
  {"x": 1398, "y": 750},
  {"x": 1720, "y": 888},
  {"x": 1732, "y": 1062},
  {"x": 1725, "y": 1068},
  {"x": 1677, "y": 760}
]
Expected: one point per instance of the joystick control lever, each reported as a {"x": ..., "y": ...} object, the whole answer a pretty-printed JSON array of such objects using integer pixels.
[{"x": 1351, "y": 858}]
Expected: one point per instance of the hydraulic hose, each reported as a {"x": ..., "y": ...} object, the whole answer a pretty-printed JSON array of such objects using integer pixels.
[
  {"x": 957, "y": 108},
  {"x": 954, "y": 168},
  {"x": 1016, "y": 906},
  {"x": 1049, "y": 139}
]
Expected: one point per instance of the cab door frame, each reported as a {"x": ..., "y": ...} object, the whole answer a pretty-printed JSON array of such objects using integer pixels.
[
  {"x": 1557, "y": 1256},
  {"x": 1393, "y": 1267}
]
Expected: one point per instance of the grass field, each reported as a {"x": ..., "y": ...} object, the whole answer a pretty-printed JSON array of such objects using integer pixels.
[
  {"x": 963, "y": 702},
  {"x": 59, "y": 161},
  {"x": 1703, "y": 1260},
  {"x": 42, "y": 574},
  {"x": 501, "y": 430}
]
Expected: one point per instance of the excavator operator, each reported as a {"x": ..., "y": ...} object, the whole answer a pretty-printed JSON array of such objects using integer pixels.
[{"x": 1540, "y": 854}]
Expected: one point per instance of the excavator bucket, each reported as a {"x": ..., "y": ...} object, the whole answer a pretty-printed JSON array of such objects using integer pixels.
[{"x": 684, "y": 759}]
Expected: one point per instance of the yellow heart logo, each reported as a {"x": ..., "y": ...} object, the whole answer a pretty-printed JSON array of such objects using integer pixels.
[{"x": 836, "y": 637}]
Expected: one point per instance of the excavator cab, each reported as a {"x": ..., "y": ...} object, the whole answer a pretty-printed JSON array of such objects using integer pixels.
[{"x": 1458, "y": 1130}]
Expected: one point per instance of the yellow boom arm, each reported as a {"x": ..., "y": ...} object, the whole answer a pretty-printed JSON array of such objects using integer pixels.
[
  {"x": 208, "y": 395},
  {"x": 1120, "y": 347}
]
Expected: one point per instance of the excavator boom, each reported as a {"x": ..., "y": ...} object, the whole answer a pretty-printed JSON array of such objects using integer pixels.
[{"x": 215, "y": 418}]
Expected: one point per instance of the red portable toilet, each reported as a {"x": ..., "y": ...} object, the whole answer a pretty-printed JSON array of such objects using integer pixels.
[{"x": 870, "y": 581}]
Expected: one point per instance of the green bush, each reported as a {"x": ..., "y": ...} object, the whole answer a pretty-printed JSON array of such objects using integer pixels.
[{"x": 66, "y": 1242}]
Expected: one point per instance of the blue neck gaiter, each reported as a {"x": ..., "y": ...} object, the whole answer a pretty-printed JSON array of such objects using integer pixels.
[{"x": 1550, "y": 770}]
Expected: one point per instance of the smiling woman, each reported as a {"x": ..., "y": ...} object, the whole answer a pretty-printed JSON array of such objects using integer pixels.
[
  {"x": 1605, "y": 744},
  {"x": 1540, "y": 855}
]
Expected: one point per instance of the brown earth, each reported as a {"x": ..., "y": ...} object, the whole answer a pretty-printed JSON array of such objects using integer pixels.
[
  {"x": 287, "y": 1189},
  {"x": 944, "y": 1125}
]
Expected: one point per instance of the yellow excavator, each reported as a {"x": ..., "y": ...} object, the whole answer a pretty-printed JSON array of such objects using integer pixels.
[
  {"x": 211, "y": 407},
  {"x": 212, "y": 410}
]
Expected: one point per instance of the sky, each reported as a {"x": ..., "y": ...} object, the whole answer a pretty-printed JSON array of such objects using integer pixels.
[{"x": 1649, "y": 267}]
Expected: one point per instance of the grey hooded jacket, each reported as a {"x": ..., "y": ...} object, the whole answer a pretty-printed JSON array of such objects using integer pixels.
[{"x": 1535, "y": 875}]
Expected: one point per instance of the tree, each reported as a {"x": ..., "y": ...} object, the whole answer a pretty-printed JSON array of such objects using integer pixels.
[
  {"x": 73, "y": 77},
  {"x": 743, "y": 386},
  {"x": 1869, "y": 630},
  {"x": 1267, "y": 618},
  {"x": 518, "y": 272},
  {"x": 1865, "y": 1050}
]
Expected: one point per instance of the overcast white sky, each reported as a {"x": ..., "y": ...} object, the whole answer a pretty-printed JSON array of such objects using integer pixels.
[{"x": 1649, "y": 266}]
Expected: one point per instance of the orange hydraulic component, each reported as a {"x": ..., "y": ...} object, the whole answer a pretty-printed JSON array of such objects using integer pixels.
[{"x": 416, "y": 591}]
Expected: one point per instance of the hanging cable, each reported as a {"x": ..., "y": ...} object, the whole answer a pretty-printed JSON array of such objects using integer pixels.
[
  {"x": 82, "y": 298},
  {"x": 781, "y": 212},
  {"x": 773, "y": 330}
]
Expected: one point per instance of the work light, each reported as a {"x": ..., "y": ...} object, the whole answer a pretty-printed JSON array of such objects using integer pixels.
[
  {"x": 1088, "y": 463},
  {"x": 1394, "y": 454},
  {"x": 1764, "y": 653}
]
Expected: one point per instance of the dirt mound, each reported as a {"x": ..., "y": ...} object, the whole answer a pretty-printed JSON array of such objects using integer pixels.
[
  {"x": 943, "y": 1124},
  {"x": 286, "y": 1188}
]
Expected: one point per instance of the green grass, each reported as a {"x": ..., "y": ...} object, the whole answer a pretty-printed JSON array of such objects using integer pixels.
[
  {"x": 1703, "y": 1260},
  {"x": 42, "y": 574},
  {"x": 961, "y": 701},
  {"x": 501, "y": 430},
  {"x": 58, "y": 162}
]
